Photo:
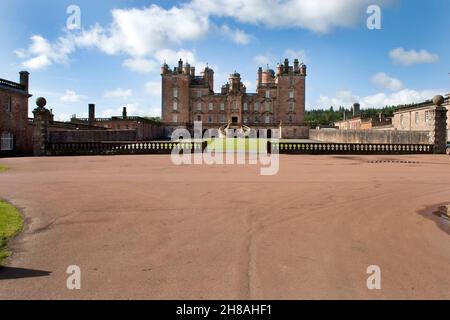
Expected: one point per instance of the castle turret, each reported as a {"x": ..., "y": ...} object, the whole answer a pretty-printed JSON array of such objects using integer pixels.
[
  {"x": 164, "y": 69},
  {"x": 296, "y": 66},
  {"x": 303, "y": 70}
]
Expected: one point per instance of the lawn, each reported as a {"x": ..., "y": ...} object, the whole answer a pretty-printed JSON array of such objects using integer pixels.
[
  {"x": 11, "y": 223},
  {"x": 237, "y": 145}
]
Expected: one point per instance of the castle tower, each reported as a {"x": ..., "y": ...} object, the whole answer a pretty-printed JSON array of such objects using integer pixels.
[
  {"x": 175, "y": 93},
  {"x": 291, "y": 94}
]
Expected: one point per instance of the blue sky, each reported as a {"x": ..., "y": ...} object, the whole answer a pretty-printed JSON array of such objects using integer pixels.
[{"x": 114, "y": 59}]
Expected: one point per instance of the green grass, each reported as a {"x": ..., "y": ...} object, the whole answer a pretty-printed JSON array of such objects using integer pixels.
[
  {"x": 239, "y": 144},
  {"x": 3, "y": 168},
  {"x": 11, "y": 223}
]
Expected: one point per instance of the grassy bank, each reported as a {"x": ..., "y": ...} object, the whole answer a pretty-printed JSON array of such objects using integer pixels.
[
  {"x": 3, "y": 168},
  {"x": 11, "y": 222}
]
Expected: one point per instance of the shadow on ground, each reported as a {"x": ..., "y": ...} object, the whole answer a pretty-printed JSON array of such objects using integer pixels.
[{"x": 7, "y": 273}]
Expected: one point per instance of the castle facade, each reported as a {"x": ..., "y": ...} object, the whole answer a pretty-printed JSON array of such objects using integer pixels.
[{"x": 279, "y": 101}]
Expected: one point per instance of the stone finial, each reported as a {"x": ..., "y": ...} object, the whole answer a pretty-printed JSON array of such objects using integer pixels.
[
  {"x": 41, "y": 102},
  {"x": 438, "y": 100}
]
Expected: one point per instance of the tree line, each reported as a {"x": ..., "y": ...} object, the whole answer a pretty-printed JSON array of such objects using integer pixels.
[{"x": 327, "y": 117}]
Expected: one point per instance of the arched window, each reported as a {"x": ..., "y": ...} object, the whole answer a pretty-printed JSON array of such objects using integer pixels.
[{"x": 7, "y": 141}]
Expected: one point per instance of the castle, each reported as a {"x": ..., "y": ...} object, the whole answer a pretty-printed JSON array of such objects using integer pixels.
[{"x": 279, "y": 101}]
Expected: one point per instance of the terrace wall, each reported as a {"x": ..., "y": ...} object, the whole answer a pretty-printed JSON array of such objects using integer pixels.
[{"x": 370, "y": 136}]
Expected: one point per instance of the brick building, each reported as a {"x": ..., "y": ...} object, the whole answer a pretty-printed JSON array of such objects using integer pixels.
[
  {"x": 416, "y": 117},
  {"x": 279, "y": 100},
  {"x": 146, "y": 129},
  {"x": 15, "y": 136}
]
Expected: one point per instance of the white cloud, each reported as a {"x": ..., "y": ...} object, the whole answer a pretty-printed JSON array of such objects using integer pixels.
[
  {"x": 319, "y": 16},
  {"x": 71, "y": 97},
  {"x": 412, "y": 57},
  {"x": 145, "y": 35},
  {"x": 141, "y": 65},
  {"x": 41, "y": 53},
  {"x": 172, "y": 56},
  {"x": 236, "y": 35},
  {"x": 118, "y": 93},
  {"x": 153, "y": 88},
  {"x": 295, "y": 54},
  {"x": 142, "y": 33},
  {"x": 383, "y": 81},
  {"x": 402, "y": 97},
  {"x": 262, "y": 60}
]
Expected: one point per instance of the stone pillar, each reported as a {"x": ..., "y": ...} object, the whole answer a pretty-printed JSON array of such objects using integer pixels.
[
  {"x": 42, "y": 117},
  {"x": 438, "y": 125}
]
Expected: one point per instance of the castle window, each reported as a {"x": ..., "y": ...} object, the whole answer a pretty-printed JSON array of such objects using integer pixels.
[
  {"x": 291, "y": 94},
  {"x": 222, "y": 119},
  {"x": 427, "y": 116},
  {"x": 417, "y": 117},
  {"x": 210, "y": 120},
  {"x": 245, "y": 120},
  {"x": 290, "y": 119},
  {"x": 175, "y": 93},
  {"x": 199, "y": 106},
  {"x": 267, "y": 106},
  {"x": 267, "y": 119},
  {"x": 199, "y": 94},
  {"x": 199, "y": 118},
  {"x": 175, "y": 106},
  {"x": 291, "y": 106},
  {"x": 210, "y": 107},
  {"x": 7, "y": 141},
  {"x": 222, "y": 106},
  {"x": 256, "y": 107},
  {"x": 175, "y": 118},
  {"x": 402, "y": 120},
  {"x": 268, "y": 94},
  {"x": 8, "y": 106},
  {"x": 245, "y": 106},
  {"x": 256, "y": 119}
]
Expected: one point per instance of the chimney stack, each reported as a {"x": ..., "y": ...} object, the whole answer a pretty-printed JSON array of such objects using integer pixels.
[
  {"x": 356, "y": 109},
  {"x": 260, "y": 71},
  {"x": 25, "y": 79},
  {"x": 124, "y": 112},
  {"x": 91, "y": 114},
  {"x": 286, "y": 65}
]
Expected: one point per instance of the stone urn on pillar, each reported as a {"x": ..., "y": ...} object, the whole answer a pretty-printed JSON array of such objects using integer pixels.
[
  {"x": 438, "y": 125},
  {"x": 42, "y": 118}
]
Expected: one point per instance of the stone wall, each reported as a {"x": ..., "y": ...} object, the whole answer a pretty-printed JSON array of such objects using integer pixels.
[
  {"x": 72, "y": 136},
  {"x": 370, "y": 136}
]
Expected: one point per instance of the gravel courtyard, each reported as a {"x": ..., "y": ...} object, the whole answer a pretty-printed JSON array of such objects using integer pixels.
[{"x": 140, "y": 227}]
